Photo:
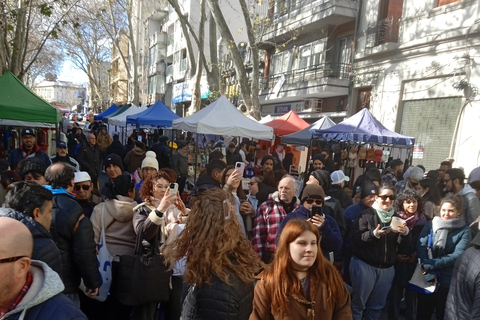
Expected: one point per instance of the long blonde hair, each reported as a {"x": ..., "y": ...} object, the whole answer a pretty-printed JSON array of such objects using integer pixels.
[{"x": 213, "y": 242}]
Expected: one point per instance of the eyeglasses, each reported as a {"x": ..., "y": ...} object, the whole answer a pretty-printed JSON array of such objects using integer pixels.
[
  {"x": 385, "y": 197},
  {"x": 83, "y": 186},
  {"x": 414, "y": 184},
  {"x": 252, "y": 183},
  {"x": 446, "y": 180},
  {"x": 317, "y": 201},
  {"x": 12, "y": 259}
]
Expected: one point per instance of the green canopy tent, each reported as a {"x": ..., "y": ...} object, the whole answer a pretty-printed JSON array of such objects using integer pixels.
[{"x": 21, "y": 107}]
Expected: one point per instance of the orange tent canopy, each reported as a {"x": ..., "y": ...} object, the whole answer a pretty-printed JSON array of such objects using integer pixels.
[{"x": 289, "y": 123}]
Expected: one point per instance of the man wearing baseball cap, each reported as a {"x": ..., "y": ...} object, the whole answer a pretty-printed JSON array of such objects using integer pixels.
[
  {"x": 28, "y": 149},
  {"x": 62, "y": 156},
  {"x": 368, "y": 195},
  {"x": 336, "y": 190}
]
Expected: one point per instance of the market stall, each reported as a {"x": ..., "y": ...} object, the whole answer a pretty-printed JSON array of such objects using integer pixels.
[
  {"x": 361, "y": 139},
  {"x": 157, "y": 115},
  {"x": 106, "y": 113}
]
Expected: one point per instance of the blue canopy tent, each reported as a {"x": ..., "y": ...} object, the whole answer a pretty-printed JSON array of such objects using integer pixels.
[
  {"x": 362, "y": 127},
  {"x": 156, "y": 115},
  {"x": 105, "y": 113},
  {"x": 303, "y": 137}
]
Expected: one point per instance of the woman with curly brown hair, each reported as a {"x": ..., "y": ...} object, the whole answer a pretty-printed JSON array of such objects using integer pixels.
[
  {"x": 221, "y": 263},
  {"x": 300, "y": 283},
  {"x": 159, "y": 216}
]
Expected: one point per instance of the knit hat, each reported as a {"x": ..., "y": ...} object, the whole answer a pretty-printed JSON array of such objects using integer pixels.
[
  {"x": 150, "y": 160},
  {"x": 265, "y": 158},
  {"x": 81, "y": 177},
  {"x": 114, "y": 159},
  {"x": 33, "y": 164},
  {"x": 313, "y": 191},
  {"x": 338, "y": 177},
  {"x": 27, "y": 131},
  {"x": 368, "y": 188},
  {"x": 163, "y": 138},
  {"x": 320, "y": 157}
]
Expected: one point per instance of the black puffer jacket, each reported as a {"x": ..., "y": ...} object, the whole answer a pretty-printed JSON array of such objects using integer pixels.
[
  {"x": 77, "y": 247},
  {"x": 44, "y": 248},
  {"x": 219, "y": 300},
  {"x": 462, "y": 301},
  {"x": 380, "y": 253}
]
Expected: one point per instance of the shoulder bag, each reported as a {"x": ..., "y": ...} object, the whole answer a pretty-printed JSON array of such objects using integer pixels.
[
  {"x": 417, "y": 282},
  {"x": 143, "y": 276},
  {"x": 104, "y": 266}
]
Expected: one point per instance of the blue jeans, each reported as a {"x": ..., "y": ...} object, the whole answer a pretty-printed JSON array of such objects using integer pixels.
[{"x": 370, "y": 288}]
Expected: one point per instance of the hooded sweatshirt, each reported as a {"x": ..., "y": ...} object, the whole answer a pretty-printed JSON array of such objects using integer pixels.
[
  {"x": 119, "y": 233},
  {"x": 471, "y": 204},
  {"x": 133, "y": 159},
  {"x": 44, "y": 299}
]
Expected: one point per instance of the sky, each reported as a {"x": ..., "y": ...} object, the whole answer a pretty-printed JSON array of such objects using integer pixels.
[{"x": 72, "y": 74}]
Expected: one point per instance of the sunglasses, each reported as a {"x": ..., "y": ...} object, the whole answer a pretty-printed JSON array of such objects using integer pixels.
[
  {"x": 317, "y": 201},
  {"x": 83, "y": 186},
  {"x": 12, "y": 259},
  {"x": 251, "y": 183},
  {"x": 385, "y": 197}
]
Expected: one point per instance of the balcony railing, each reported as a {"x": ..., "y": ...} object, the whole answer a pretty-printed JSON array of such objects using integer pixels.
[
  {"x": 299, "y": 7},
  {"x": 384, "y": 31},
  {"x": 318, "y": 72}
]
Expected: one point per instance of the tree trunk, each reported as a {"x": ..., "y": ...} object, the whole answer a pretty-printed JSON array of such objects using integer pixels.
[
  {"x": 197, "y": 94},
  {"x": 134, "y": 59},
  {"x": 232, "y": 47}
]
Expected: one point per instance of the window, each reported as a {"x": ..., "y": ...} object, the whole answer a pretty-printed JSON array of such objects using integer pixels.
[
  {"x": 311, "y": 55},
  {"x": 280, "y": 62},
  {"x": 344, "y": 56}
]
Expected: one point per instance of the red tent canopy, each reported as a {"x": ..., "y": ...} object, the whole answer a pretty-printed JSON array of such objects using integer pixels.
[{"x": 289, "y": 123}]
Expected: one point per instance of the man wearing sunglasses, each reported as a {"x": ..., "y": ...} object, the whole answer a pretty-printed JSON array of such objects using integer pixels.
[
  {"x": 29, "y": 289},
  {"x": 312, "y": 209},
  {"x": 87, "y": 196}
]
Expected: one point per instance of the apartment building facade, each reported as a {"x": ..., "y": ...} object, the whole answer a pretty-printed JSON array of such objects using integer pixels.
[
  {"x": 118, "y": 74},
  {"x": 308, "y": 58},
  {"x": 415, "y": 68},
  {"x": 61, "y": 94}
]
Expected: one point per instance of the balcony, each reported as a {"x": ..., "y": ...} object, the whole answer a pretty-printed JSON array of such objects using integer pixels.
[
  {"x": 158, "y": 38},
  {"x": 309, "y": 16},
  {"x": 384, "y": 31},
  {"x": 323, "y": 80}
]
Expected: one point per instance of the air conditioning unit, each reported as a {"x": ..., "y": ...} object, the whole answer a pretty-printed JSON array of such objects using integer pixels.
[{"x": 313, "y": 105}]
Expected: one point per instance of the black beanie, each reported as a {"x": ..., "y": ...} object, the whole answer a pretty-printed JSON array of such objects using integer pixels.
[
  {"x": 33, "y": 164},
  {"x": 114, "y": 159},
  {"x": 368, "y": 188}
]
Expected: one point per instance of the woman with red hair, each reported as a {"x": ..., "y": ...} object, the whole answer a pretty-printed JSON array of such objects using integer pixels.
[{"x": 300, "y": 283}]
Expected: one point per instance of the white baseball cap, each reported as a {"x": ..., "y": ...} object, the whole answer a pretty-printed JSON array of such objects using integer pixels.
[
  {"x": 81, "y": 177},
  {"x": 338, "y": 177}
]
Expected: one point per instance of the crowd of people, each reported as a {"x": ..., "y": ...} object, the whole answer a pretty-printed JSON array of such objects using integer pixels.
[{"x": 277, "y": 250}]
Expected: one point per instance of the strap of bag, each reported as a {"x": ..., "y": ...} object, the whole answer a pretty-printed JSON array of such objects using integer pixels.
[
  {"x": 139, "y": 240},
  {"x": 102, "y": 236},
  {"x": 430, "y": 244}
]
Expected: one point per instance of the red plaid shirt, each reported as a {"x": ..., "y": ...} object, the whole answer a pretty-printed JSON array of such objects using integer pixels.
[
  {"x": 20, "y": 296},
  {"x": 266, "y": 223}
]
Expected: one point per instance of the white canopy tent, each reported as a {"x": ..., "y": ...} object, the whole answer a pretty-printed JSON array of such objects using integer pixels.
[
  {"x": 121, "y": 119},
  {"x": 222, "y": 118}
]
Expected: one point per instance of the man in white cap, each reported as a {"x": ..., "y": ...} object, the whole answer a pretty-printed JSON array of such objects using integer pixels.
[
  {"x": 336, "y": 190},
  {"x": 87, "y": 196}
]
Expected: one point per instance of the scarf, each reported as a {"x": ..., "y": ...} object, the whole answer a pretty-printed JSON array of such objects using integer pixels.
[
  {"x": 440, "y": 232},
  {"x": 410, "y": 223},
  {"x": 385, "y": 216}
]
